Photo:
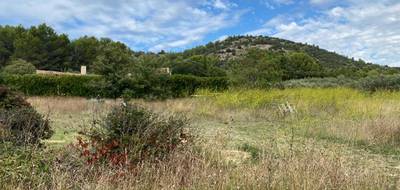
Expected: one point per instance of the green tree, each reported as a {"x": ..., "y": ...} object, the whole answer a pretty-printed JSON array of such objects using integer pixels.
[
  {"x": 8, "y": 35},
  {"x": 114, "y": 64},
  {"x": 199, "y": 65},
  {"x": 19, "y": 67},
  {"x": 258, "y": 68},
  {"x": 84, "y": 51},
  {"x": 296, "y": 65},
  {"x": 43, "y": 47}
]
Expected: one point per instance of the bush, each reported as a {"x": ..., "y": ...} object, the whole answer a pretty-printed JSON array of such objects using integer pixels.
[
  {"x": 19, "y": 122},
  {"x": 382, "y": 82},
  {"x": 19, "y": 67},
  {"x": 98, "y": 86},
  {"x": 329, "y": 82},
  {"x": 24, "y": 165},
  {"x": 53, "y": 85},
  {"x": 131, "y": 134},
  {"x": 186, "y": 85}
]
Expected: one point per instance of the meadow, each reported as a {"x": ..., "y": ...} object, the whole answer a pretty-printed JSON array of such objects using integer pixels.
[{"x": 301, "y": 138}]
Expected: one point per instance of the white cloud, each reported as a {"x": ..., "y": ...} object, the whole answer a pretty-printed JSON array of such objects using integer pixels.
[
  {"x": 272, "y": 4},
  {"x": 365, "y": 29},
  {"x": 220, "y": 5},
  {"x": 222, "y": 38},
  {"x": 155, "y": 24}
]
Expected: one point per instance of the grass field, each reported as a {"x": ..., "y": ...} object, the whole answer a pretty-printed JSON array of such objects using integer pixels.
[{"x": 252, "y": 139}]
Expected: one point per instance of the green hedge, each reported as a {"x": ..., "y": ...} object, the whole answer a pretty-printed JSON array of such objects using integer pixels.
[
  {"x": 52, "y": 85},
  {"x": 185, "y": 85},
  {"x": 94, "y": 86}
]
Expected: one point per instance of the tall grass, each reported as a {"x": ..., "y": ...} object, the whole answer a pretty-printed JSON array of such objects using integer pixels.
[{"x": 337, "y": 138}]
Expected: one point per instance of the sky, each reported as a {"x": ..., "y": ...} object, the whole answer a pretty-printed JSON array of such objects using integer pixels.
[{"x": 365, "y": 29}]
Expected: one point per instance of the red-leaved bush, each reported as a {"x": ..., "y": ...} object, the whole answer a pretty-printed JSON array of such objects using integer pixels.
[{"x": 131, "y": 134}]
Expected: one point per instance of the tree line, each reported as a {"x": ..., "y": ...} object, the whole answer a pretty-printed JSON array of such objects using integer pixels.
[{"x": 22, "y": 50}]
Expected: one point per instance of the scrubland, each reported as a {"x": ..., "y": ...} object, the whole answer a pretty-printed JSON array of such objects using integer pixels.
[{"x": 302, "y": 138}]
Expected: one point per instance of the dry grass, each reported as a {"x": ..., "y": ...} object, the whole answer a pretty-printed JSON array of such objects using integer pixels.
[
  {"x": 310, "y": 169},
  {"x": 336, "y": 139}
]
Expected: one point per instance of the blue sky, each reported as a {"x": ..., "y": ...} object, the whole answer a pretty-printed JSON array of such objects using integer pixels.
[{"x": 367, "y": 29}]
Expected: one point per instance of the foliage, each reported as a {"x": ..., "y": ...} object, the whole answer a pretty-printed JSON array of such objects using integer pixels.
[
  {"x": 144, "y": 85},
  {"x": 19, "y": 122},
  {"x": 54, "y": 85},
  {"x": 19, "y": 67},
  {"x": 43, "y": 47},
  {"x": 26, "y": 165},
  {"x": 329, "y": 82},
  {"x": 131, "y": 134},
  {"x": 381, "y": 82},
  {"x": 199, "y": 65},
  {"x": 84, "y": 51},
  {"x": 257, "y": 68},
  {"x": 250, "y": 61},
  {"x": 185, "y": 85},
  {"x": 299, "y": 65}
]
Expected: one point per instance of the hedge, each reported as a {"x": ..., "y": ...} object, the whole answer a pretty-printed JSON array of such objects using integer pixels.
[
  {"x": 96, "y": 86},
  {"x": 184, "y": 85},
  {"x": 52, "y": 85}
]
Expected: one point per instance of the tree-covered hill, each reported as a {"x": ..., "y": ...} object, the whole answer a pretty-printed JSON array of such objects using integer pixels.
[
  {"x": 245, "y": 60},
  {"x": 236, "y": 46}
]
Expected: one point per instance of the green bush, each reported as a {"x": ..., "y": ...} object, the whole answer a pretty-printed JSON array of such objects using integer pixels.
[
  {"x": 185, "y": 85},
  {"x": 19, "y": 67},
  {"x": 381, "y": 82},
  {"x": 53, "y": 85},
  {"x": 19, "y": 122},
  {"x": 97, "y": 86},
  {"x": 24, "y": 165},
  {"x": 131, "y": 134},
  {"x": 329, "y": 82}
]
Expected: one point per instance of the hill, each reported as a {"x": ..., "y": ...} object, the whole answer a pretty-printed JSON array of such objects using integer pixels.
[
  {"x": 236, "y": 46},
  {"x": 245, "y": 60}
]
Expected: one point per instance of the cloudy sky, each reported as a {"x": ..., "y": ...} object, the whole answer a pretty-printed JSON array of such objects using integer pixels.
[{"x": 367, "y": 29}]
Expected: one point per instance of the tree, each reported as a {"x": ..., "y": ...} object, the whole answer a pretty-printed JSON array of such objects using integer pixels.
[
  {"x": 114, "y": 63},
  {"x": 19, "y": 67},
  {"x": 43, "y": 47},
  {"x": 199, "y": 65},
  {"x": 258, "y": 68},
  {"x": 297, "y": 65},
  {"x": 8, "y": 35},
  {"x": 84, "y": 51}
]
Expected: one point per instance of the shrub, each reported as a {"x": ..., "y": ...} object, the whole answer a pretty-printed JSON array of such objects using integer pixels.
[
  {"x": 53, "y": 85},
  {"x": 329, "y": 82},
  {"x": 19, "y": 122},
  {"x": 382, "y": 82},
  {"x": 24, "y": 165},
  {"x": 98, "y": 86},
  {"x": 19, "y": 67},
  {"x": 185, "y": 85},
  {"x": 131, "y": 134}
]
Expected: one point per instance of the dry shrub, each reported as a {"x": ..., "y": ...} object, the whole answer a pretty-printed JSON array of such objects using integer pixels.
[
  {"x": 19, "y": 122},
  {"x": 130, "y": 134}
]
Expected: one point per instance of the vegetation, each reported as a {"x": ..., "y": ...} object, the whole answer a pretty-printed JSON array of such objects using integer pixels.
[
  {"x": 251, "y": 61},
  {"x": 334, "y": 138},
  {"x": 20, "y": 124},
  {"x": 19, "y": 67},
  {"x": 130, "y": 135},
  {"x": 157, "y": 87},
  {"x": 266, "y": 113}
]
